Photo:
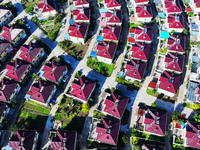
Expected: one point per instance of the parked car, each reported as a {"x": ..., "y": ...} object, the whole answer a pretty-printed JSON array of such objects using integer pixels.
[
  {"x": 65, "y": 78},
  {"x": 27, "y": 25}
]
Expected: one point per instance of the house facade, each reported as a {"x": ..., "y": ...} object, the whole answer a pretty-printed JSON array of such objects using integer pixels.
[
  {"x": 47, "y": 8},
  {"x": 5, "y": 50},
  {"x": 5, "y": 15}
]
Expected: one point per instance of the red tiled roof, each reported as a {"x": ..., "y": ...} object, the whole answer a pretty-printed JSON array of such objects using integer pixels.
[
  {"x": 82, "y": 88},
  {"x": 2, "y": 109},
  {"x": 192, "y": 134},
  {"x": 144, "y": 11},
  {"x": 152, "y": 147},
  {"x": 46, "y": 6},
  {"x": 141, "y": 1},
  {"x": 135, "y": 69},
  {"x": 115, "y": 105},
  {"x": 78, "y": 30},
  {"x": 83, "y": 14},
  {"x": 141, "y": 51},
  {"x": 17, "y": 69},
  {"x": 28, "y": 138},
  {"x": 144, "y": 33},
  {"x": 108, "y": 130},
  {"x": 115, "y": 17},
  {"x": 152, "y": 85},
  {"x": 53, "y": 70},
  {"x": 155, "y": 121},
  {"x": 175, "y": 21},
  {"x": 176, "y": 44},
  {"x": 112, "y": 3},
  {"x": 172, "y": 6},
  {"x": 169, "y": 82},
  {"x": 81, "y": 2},
  {"x": 64, "y": 140},
  {"x": 197, "y": 3},
  {"x": 106, "y": 49},
  {"x": 6, "y": 89},
  {"x": 174, "y": 62},
  {"x": 112, "y": 32},
  {"x": 30, "y": 52},
  {"x": 41, "y": 90}
]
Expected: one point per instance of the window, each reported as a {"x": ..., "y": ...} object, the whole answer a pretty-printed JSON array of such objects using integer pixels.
[{"x": 13, "y": 92}]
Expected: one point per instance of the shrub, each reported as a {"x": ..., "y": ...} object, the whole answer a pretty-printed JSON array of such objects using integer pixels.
[
  {"x": 135, "y": 140},
  {"x": 137, "y": 147},
  {"x": 177, "y": 140},
  {"x": 186, "y": 105},
  {"x": 125, "y": 139},
  {"x": 196, "y": 117},
  {"x": 29, "y": 9},
  {"x": 58, "y": 18},
  {"x": 166, "y": 133},
  {"x": 195, "y": 106},
  {"x": 35, "y": 77},
  {"x": 153, "y": 105},
  {"x": 85, "y": 107}
]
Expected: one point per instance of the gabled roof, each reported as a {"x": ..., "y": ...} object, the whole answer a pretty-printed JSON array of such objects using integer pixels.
[
  {"x": 193, "y": 134},
  {"x": 112, "y": 3},
  {"x": 23, "y": 139},
  {"x": 10, "y": 33},
  {"x": 115, "y": 104},
  {"x": 175, "y": 21},
  {"x": 155, "y": 121},
  {"x": 112, "y": 32},
  {"x": 46, "y": 6},
  {"x": 141, "y": 1},
  {"x": 6, "y": 89},
  {"x": 141, "y": 51},
  {"x": 82, "y": 88},
  {"x": 106, "y": 49},
  {"x": 169, "y": 82},
  {"x": 135, "y": 69},
  {"x": 172, "y": 6},
  {"x": 64, "y": 140},
  {"x": 197, "y": 3},
  {"x": 53, "y": 70},
  {"x": 41, "y": 90},
  {"x": 2, "y": 108},
  {"x": 17, "y": 69},
  {"x": 174, "y": 62},
  {"x": 113, "y": 17},
  {"x": 153, "y": 147},
  {"x": 80, "y": 2},
  {"x": 82, "y": 14},
  {"x": 30, "y": 52},
  {"x": 3, "y": 45},
  {"x": 108, "y": 130},
  {"x": 176, "y": 44},
  {"x": 78, "y": 30},
  {"x": 3, "y": 11},
  {"x": 144, "y": 11},
  {"x": 144, "y": 33}
]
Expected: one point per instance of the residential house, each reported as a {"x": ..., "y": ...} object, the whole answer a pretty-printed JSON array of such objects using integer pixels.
[
  {"x": 115, "y": 105},
  {"x": 106, "y": 51},
  {"x": 172, "y": 7},
  {"x": 168, "y": 83},
  {"x": 41, "y": 92},
  {"x": 175, "y": 23},
  {"x": 140, "y": 34},
  {"x": 5, "y": 15},
  {"x": 82, "y": 15},
  {"x": 5, "y": 50},
  {"x": 78, "y": 33},
  {"x": 18, "y": 70},
  {"x": 4, "y": 110},
  {"x": 193, "y": 92},
  {"x": 64, "y": 140},
  {"x": 152, "y": 121},
  {"x": 144, "y": 13},
  {"x": 31, "y": 53},
  {"x": 174, "y": 63},
  {"x": 111, "y": 33},
  {"x": 47, "y": 8},
  {"x": 134, "y": 70},
  {"x": 13, "y": 34},
  {"x": 140, "y": 2},
  {"x": 8, "y": 90},
  {"x": 176, "y": 45},
  {"x": 82, "y": 89},
  {"x": 24, "y": 139},
  {"x": 81, "y": 3},
  {"x": 140, "y": 51},
  {"x": 54, "y": 71},
  {"x": 152, "y": 147},
  {"x": 111, "y": 18},
  {"x": 194, "y": 6},
  {"x": 104, "y": 131},
  {"x": 112, "y": 4}
]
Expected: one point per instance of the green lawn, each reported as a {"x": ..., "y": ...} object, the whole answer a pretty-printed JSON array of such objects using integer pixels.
[
  {"x": 33, "y": 116},
  {"x": 135, "y": 84},
  {"x": 152, "y": 92},
  {"x": 97, "y": 114},
  {"x": 101, "y": 67}
]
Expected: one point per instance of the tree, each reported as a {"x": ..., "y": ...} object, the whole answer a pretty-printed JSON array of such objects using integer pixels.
[
  {"x": 29, "y": 9},
  {"x": 85, "y": 107},
  {"x": 175, "y": 115},
  {"x": 125, "y": 139},
  {"x": 153, "y": 105},
  {"x": 196, "y": 117},
  {"x": 14, "y": 128},
  {"x": 135, "y": 140},
  {"x": 185, "y": 31},
  {"x": 35, "y": 77},
  {"x": 195, "y": 106},
  {"x": 137, "y": 147}
]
